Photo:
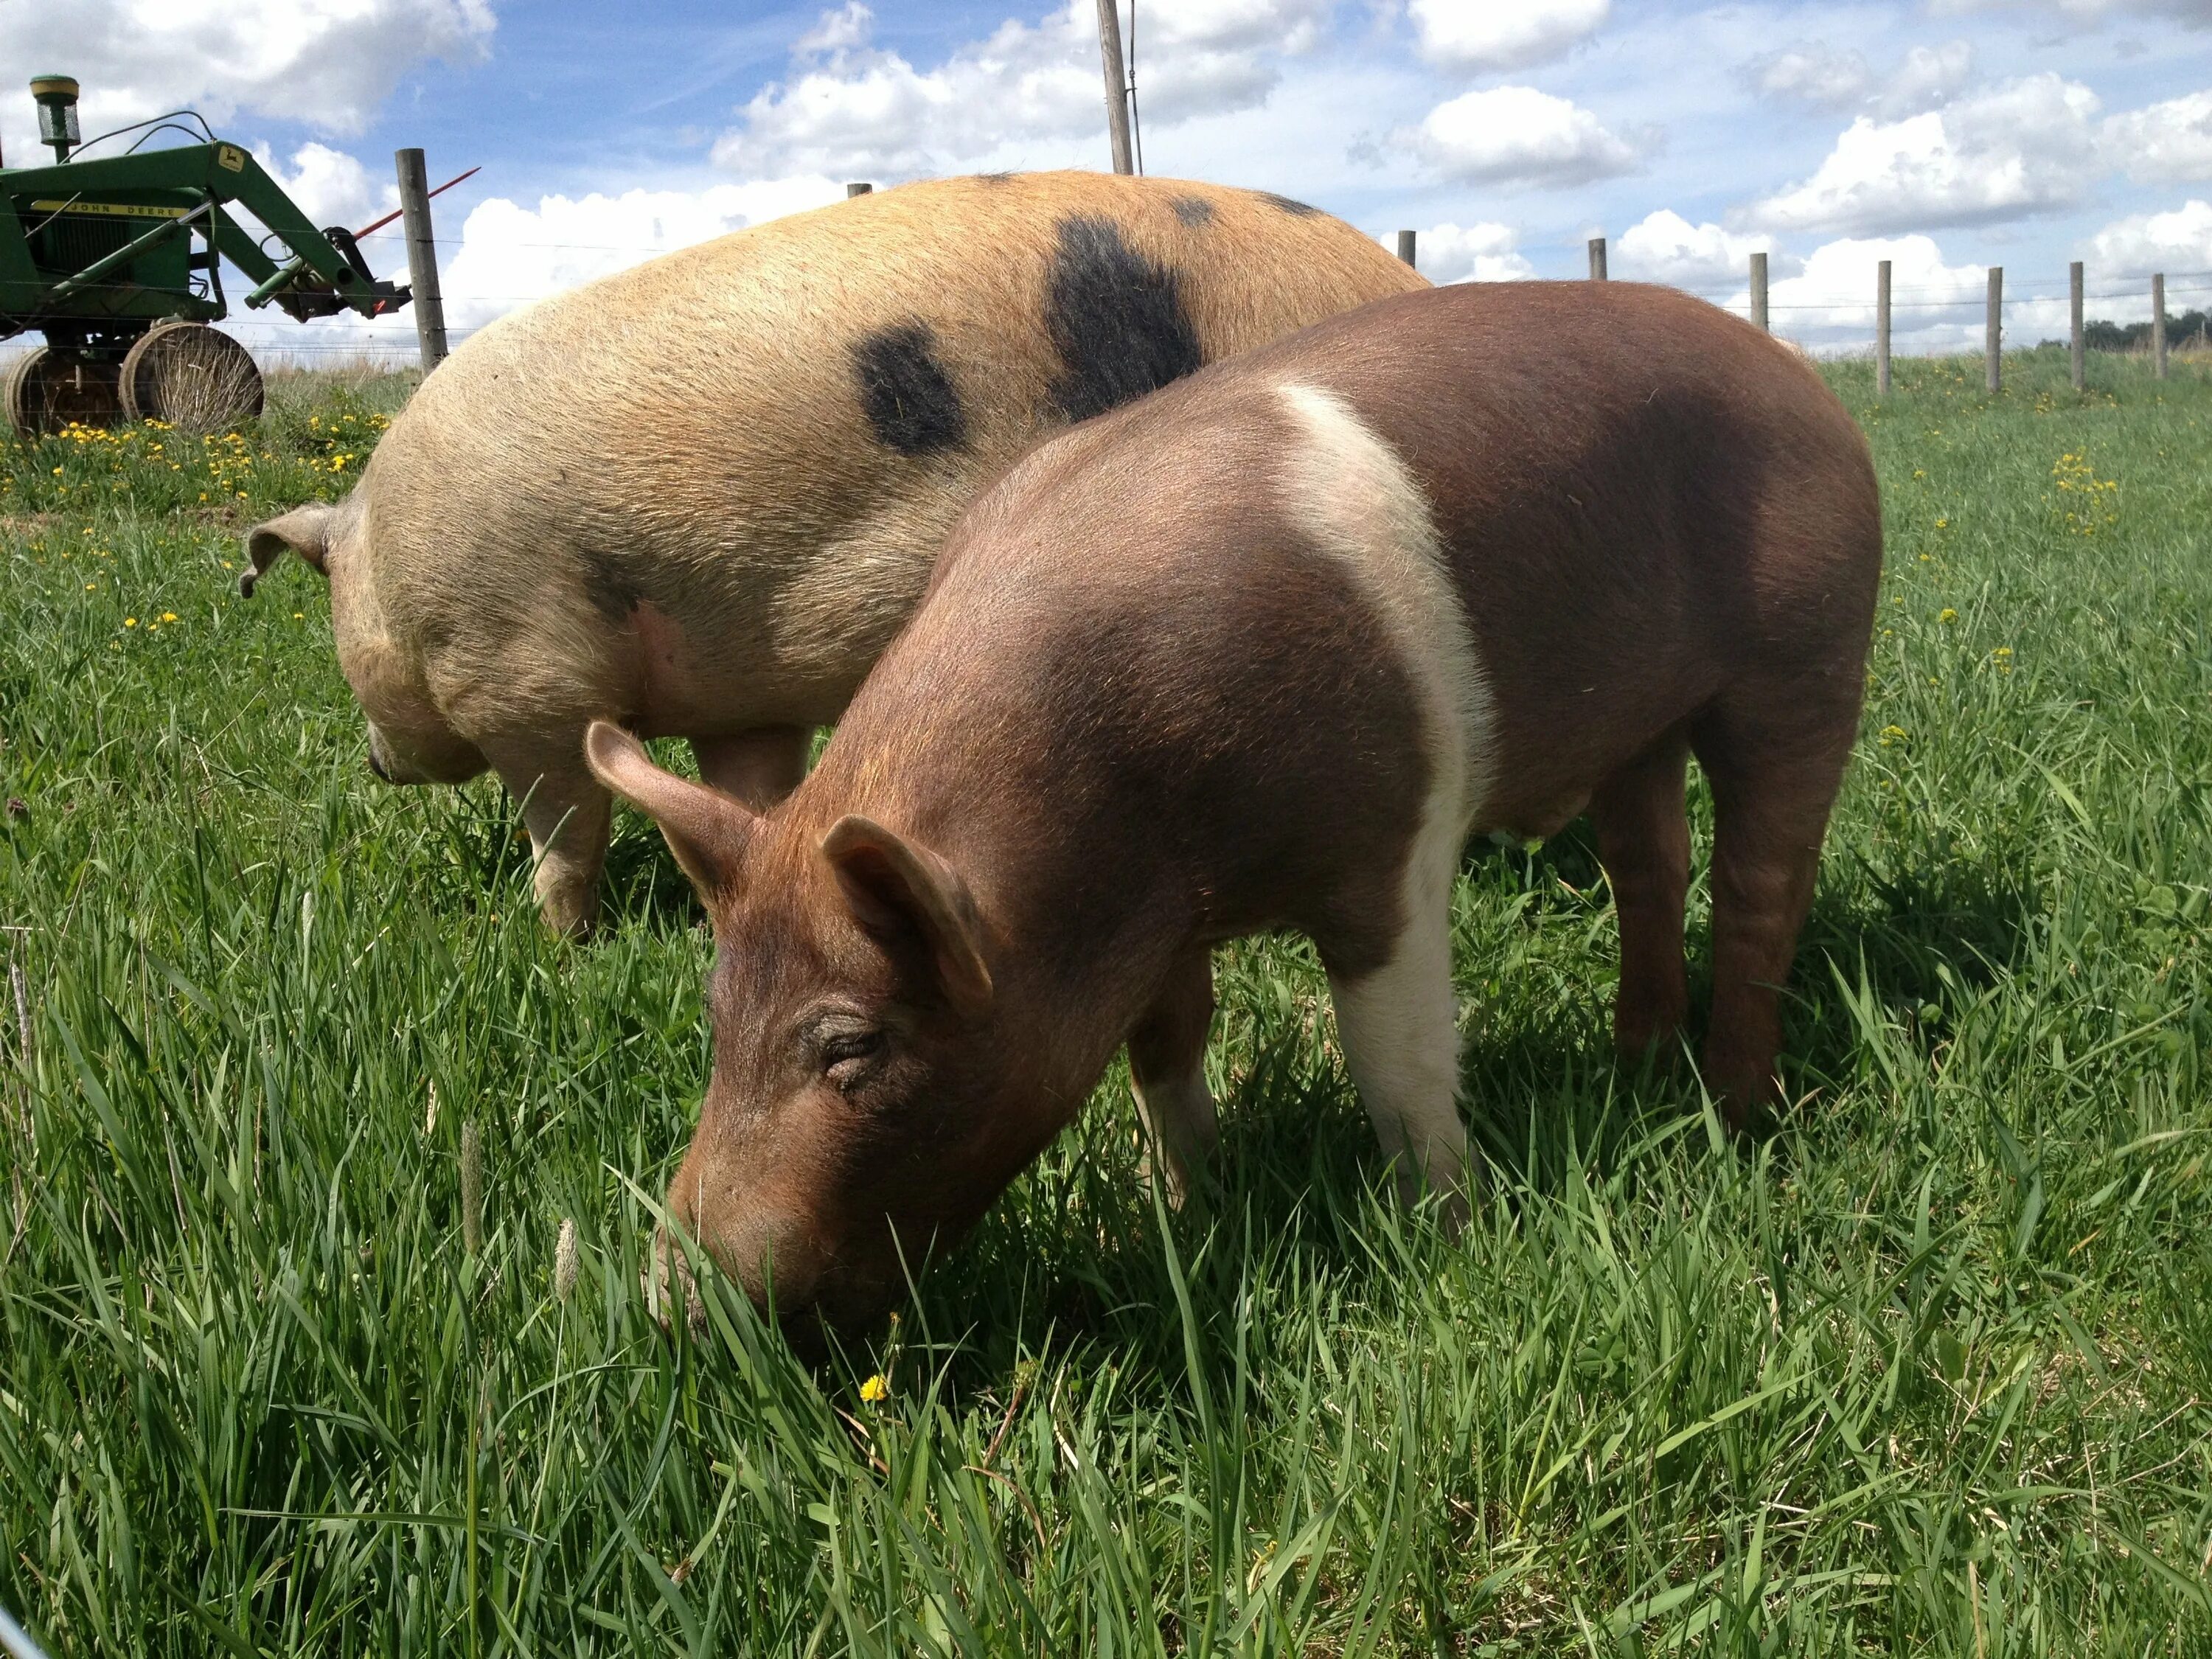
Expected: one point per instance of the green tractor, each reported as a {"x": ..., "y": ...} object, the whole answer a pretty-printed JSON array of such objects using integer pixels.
[{"x": 118, "y": 261}]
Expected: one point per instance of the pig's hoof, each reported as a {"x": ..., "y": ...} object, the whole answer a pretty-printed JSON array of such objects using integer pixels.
[{"x": 577, "y": 923}]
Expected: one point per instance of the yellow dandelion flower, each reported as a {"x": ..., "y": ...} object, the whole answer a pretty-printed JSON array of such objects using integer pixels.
[
  {"x": 1947, "y": 615},
  {"x": 169, "y": 616},
  {"x": 876, "y": 1389},
  {"x": 131, "y": 622}
]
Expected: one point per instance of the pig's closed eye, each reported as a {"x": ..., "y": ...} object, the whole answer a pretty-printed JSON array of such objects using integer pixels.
[{"x": 847, "y": 1056}]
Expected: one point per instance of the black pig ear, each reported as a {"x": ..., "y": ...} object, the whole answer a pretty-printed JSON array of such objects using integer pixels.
[
  {"x": 705, "y": 829},
  {"x": 895, "y": 887}
]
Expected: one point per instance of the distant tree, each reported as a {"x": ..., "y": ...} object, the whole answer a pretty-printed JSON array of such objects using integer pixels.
[{"x": 2101, "y": 336}]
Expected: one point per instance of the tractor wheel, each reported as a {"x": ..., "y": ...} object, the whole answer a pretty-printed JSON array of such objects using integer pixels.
[
  {"x": 48, "y": 390},
  {"x": 190, "y": 376}
]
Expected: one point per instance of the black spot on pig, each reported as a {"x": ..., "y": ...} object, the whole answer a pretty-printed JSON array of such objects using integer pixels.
[
  {"x": 1116, "y": 318},
  {"x": 911, "y": 401},
  {"x": 608, "y": 586},
  {"x": 1193, "y": 210},
  {"x": 1297, "y": 209}
]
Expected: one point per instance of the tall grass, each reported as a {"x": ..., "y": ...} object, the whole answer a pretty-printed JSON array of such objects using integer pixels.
[{"x": 1929, "y": 1370}]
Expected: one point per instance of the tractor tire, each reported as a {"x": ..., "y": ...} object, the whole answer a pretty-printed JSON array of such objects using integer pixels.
[
  {"x": 190, "y": 376},
  {"x": 48, "y": 390}
]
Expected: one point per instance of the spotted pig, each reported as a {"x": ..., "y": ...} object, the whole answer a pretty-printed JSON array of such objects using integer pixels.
[
  {"x": 1261, "y": 652},
  {"x": 698, "y": 498}
]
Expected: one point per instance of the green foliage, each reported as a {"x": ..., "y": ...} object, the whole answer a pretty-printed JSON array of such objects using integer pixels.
[
  {"x": 1927, "y": 1371},
  {"x": 2101, "y": 336}
]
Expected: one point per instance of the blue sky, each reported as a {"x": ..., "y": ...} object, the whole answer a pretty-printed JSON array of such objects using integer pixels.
[{"x": 1943, "y": 134}]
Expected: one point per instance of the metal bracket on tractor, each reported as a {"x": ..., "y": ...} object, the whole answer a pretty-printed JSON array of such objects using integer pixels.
[{"x": 119, "y": 262}]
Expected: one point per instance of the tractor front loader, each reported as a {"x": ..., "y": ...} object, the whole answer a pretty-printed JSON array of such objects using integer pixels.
[{"x": 119, "y": 262}]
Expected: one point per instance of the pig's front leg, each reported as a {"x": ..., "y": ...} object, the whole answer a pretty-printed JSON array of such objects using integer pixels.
[
  {"x": 1167, "y": 1071},
  {"x": 1400, "y": 1027},
  {"x": 568, "y": 814},
  {"x": 759, "y": 768}
]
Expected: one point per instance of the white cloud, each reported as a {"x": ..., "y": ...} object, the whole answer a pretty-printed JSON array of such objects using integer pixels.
[
  {"x": 1516, "y": 136},
  {"x": 1470, "y": 253},
  {"x": 2087, "y": 13},
  {"x": 1817, "y": 74},
  {"x": 510, "y": 255},
  {"x": 2167, "y": 141},
  {"x": 2023, "y": 147},
  {"x": 1935, "y": 307},
  {"x": 1486, "y": 34},
  {"x": 850, "y": 110},
  {"x": 330, "y": 187},
  {"x": 2180, "y": 240},
  {"x": 836, "y": 31},
  {"x": 1665, "y": 247},
  {"x": 1814, "y": 73},
  {"x": 325, "y": 63},
  {"x": 1927, "y": 77}
]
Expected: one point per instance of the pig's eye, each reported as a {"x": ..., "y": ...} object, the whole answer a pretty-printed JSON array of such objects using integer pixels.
[{"x": 849, "y": 1054}]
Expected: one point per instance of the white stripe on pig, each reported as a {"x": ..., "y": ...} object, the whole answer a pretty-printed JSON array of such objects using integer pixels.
[{"x": 1351, "y": 494}]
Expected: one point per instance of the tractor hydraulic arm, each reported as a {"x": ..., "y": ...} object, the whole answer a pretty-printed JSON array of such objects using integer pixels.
[{"x": 316, "y": 279}]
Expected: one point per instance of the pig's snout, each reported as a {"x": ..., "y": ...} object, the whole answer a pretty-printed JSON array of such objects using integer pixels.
[{"x": 376, "y": 764}]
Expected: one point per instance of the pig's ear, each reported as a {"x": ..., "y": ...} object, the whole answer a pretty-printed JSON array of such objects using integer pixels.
[
  {"x": 706, "y": 829},
  {"x": 305, "y": 531},
  {"x": 896, "y": 888}
]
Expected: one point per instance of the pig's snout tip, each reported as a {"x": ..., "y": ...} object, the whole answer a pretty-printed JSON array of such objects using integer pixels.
[{"x": 667, "y": 1275}]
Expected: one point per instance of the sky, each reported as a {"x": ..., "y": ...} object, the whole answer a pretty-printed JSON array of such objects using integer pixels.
[{"x": 1944, "y": 135}]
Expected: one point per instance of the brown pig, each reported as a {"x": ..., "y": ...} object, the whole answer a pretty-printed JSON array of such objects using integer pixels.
[
  {"x": 699, "y": 497},
  {"x": 1258, "y": 652}
]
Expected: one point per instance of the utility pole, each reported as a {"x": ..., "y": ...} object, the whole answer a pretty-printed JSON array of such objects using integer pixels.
[
  {"x": 2074, "y": 308},
  {"x": 1117, "y": 83},
  {"x": 422, "y": 257},
  {"x": 1993, "y": 333},
  {"x": 1882, "y": 328}
]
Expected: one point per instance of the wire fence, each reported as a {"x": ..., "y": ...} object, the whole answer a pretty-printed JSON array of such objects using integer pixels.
[{"x": 1925, "y": 308}]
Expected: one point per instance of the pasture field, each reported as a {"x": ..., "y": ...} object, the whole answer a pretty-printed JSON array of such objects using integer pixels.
[{"x": 1929, "y": 1370}]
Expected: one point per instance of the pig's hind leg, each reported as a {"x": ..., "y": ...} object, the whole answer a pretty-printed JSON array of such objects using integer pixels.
[
  {"x": 1644, "y": 842},
  {"x": 1167, "y": 1072},
  {"x": 758, "y": 767},
  {"x": 568, "y": 815},
  {"x": 1774, "y": 756}
]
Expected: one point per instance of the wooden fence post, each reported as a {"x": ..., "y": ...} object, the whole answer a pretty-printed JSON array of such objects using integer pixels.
[
  {"x": 1406, "y": 245},
  {"x": 1758, "y": 289},
  {"x": 1993, "y": 330},
  {"x": 1117, "y": 83},
  {"x": 1882, "y": 328},
  {"x": 2073, "y": 305},
  {"x": 1597, "y": 258},
  {"x": 857, "y": 189},
  {"x": 2158, "y": 324},
  {"x": 422, "y": 257}
]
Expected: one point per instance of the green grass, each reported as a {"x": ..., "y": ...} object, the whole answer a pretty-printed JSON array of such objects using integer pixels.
[{"x": 1929, "y": 1371}]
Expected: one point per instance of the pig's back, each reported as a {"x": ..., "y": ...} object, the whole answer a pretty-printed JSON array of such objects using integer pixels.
[
  {"x": 1639, "y": 497},
  {"x": 1611, "y": 501},
  {"x": 768, "y": 435}
]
